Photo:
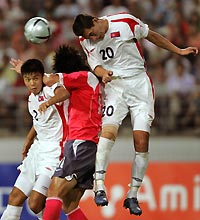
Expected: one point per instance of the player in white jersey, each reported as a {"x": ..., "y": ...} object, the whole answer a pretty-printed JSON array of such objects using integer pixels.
[
  {"x": 43, "y": 145},
  {"x": 113, "y": 52}
]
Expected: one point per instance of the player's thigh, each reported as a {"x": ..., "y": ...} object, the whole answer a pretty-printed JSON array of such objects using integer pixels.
[
  {"x": 141, "y": 102},
  {"x": 24, "y": 183},
  {"x": 115, "y": 107},
  {"x": 16, "y": 197},
  {"x": 59, "y": 187},
  {"x": 72, "y": 199},
  {"x": 42, "y": 184}
]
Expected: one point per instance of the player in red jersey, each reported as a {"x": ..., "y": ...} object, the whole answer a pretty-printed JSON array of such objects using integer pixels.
[
  {"x": 75, "y": 173},
  {"x": 111, "y": 44}
]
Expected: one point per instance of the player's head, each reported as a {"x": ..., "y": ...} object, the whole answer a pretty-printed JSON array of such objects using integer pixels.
[
  {"x": 90, "y": 27},
  {"x": 81, "y": 23},
  {"x": 67, "y": 60},
  {"x": 32, "y": 72}
]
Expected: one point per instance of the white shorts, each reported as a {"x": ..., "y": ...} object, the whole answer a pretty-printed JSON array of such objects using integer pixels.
[
  {"x": 42, "y": 160},
  {"x": 134, "y": 95}
]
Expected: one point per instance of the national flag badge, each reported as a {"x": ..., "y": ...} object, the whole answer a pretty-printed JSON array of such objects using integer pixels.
[
  {"x": 41, "y": 98},
  {"x": 115, "y": 34}
]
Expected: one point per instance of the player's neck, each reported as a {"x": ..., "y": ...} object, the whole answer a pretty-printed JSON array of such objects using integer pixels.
[{"x": 105, "y": 24}]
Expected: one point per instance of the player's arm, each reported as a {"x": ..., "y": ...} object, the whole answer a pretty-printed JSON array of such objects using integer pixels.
[
  {"x": 95, "y": 64},
  {"x": 61, "y": 94},
  {"x": 28, "y": 142},
  {"x": 106, "y": 75},
  {"x": 164, "y": 43},
  {"x": 16, "y": 65},
  {"x": 50, "y": 79}
]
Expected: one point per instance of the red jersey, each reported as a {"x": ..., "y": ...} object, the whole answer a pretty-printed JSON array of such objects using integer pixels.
[{"x": 85, "y": 105}]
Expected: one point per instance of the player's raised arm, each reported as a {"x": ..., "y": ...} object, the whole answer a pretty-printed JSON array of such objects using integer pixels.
[
  {"x": 61, "y": 94},
  {"x": 164, "y": 43},
  {"x": 16, "y": 65}
]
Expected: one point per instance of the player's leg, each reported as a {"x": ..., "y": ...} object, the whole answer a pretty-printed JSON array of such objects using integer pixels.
[
  {"x": 71, "y": 204},
  {"x": 15, "y": 204},
  {"x": 58, "y": 189},
  {"x": 104, "y": 148},
  {"x": 139, "y": 166},
  {"x": 46, "y": 165},
  {"x": 36, "y": 203},
  {"x": 37, "y": 197},
  {"x": 115, "y": 110},
  {"x": 141, "y": 117},
  {"x": 17, "y": 197}
]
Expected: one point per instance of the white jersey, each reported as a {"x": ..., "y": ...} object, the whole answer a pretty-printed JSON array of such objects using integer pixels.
[
  {"x": 50, "y": 125},
  {"x": 119, "y": 51}
]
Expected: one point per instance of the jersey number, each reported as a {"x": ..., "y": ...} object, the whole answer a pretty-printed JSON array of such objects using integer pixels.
[
  {"x": 36, "y": 114},
  {"x": 108, "y": 110},
  {"x": 107, "y": 53}
]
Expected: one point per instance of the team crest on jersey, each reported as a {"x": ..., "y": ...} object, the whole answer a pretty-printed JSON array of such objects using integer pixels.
[
  {"x": 115, "y": 34},
  {"x": 40, "y": 98}
]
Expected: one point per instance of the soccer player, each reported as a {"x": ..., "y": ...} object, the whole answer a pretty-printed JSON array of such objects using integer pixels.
[
  {"x": 111, "y": 44},
  {"x": 75, "y": 172},
  {"x": 43, "y": 145}
]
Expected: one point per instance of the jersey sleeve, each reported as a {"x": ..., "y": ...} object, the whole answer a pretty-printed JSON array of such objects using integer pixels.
[
  {"x": 141, "y": 31},
  {"x": 92, "y": 58},
  {"x": 50, "y": 91},
  {"x": 134, "y": 28}
]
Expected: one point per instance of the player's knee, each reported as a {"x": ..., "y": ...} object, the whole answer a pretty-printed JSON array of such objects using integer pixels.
[
  {"x": 109, "y": 132},
  {"x": 35, "y": 205},
  {"x": 13, "y": 195},
  {"x": 141, "y": 141}
]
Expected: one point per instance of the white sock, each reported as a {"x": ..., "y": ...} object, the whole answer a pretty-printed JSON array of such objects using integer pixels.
[
  {"x": 138, "y": 170},
  {"x": 12, "y": 213},
  {"x": 102, "y": 158}
]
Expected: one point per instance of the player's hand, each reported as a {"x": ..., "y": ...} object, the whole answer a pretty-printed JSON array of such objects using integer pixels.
[
  {"x": 189, "y": 50},
  {"x": 43, "y": 107},
  {"x": 16, "y": 65},
  {"x": 107, "y": 76}
]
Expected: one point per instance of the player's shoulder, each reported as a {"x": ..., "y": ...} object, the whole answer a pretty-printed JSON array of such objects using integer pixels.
[
  {"x": 121, "y": 15},
  {"x": 32, "y": 99},
  {"x": 78, "y": 75},
  {"x": 84, "y": 77},
  {"x": 31, "y": 96}
]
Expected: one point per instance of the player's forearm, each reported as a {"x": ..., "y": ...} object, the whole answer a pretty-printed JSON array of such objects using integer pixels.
[
  {"x": 162, "y": 42},
  {"x": 31, "y": 135},
  {"x": 61, "y": 94},
  {"x": 100, "y": 71}
]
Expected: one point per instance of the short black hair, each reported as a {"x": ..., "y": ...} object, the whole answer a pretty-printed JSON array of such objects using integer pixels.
[
  {"x": 81, "y": 23},
  {"x": 32, "y": 66},
  {"x": 67, "y": 59}
]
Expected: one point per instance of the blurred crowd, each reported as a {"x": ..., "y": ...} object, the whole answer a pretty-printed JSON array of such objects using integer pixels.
[{"x": 176, "y": 79}]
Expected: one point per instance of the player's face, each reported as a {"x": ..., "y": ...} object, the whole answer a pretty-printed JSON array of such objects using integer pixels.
[
  {"x": 34, "y": 82},
  {"x": 96, "y": 32}
]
